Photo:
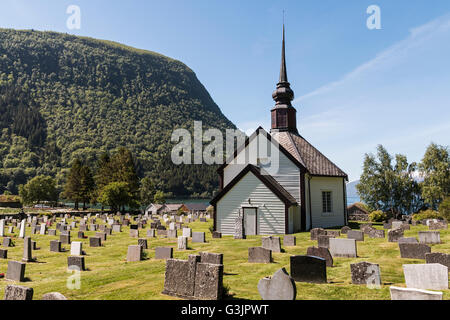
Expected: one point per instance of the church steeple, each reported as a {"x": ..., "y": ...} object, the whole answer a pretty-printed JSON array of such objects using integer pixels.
[{"x": 284, "y": 116}]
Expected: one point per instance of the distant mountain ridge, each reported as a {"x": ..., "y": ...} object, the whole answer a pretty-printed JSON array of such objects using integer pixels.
[{"x": 82, "y": 97}]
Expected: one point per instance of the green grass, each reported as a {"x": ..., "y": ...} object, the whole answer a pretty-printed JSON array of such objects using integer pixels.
[{"x": 110, "y": 277}]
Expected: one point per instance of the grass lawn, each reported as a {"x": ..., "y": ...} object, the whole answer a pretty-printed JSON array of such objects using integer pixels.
[{"x": 111, "y": 277}]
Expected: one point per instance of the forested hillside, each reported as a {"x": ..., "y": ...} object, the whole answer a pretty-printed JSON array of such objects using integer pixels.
[{"x": 64, "y": 97}]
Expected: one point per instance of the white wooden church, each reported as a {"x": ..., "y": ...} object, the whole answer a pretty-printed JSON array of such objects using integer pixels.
[{"x": 278, "y": 181}]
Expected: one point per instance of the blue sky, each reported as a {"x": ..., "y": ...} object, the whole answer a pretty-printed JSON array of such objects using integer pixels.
[{"x": 355, "y": 88}]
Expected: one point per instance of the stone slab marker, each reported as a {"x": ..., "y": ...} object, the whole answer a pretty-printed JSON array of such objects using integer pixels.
[
  {"x": 259, "y": 255},
  {"x": 408, "y": 240},
  {"x": 345, "y": 229},
  {"x": 134, "y": 253},
  {"x": 212, "y": 258},
  {"x": 27, "y": 250},
  {"x": 3, "y": 253},
  {"x": 414, "y": 294},
  {"x": 76, "y": 248},
  {"x": 187, "y": 232},
  {"x": 7, "y": 242},
  {"x": 395, "y": 234},
  {"x": 182, "y": 243},
  {"x": 16, "y": 271},
  {"x": 2, "y": 227},
  {"x": 308, "y": 269},
  {"x": 76, "y": 263},
  {"x": 366, "y": 273},
  {"x": 343, "y": 248},
  {"x": 431, "y": 276},
  {"x": 323, "y": 241},
  {"x": 163, "y": 253},
  {"x": 429, "y": 237},
  {"x": 355, "y": 234},
  {"x": 43, "y": 229},
  {"x": 53, "y": 296},
  {"x": 323, "y": 253},
  {"x": 239, "y": 228},
  {"x": 375, "y": 233},
  {"x": 413, "y": 250},
  {"x": 198, "y": 237},
  {"x": 278, "y": 287},
  {"x": 22, "y": 229},
  {"x": 13, "y": 292},
  {"x": 437, "y": 257},
  {"x": 271, "y": 243},
  {"x": 95, "y": 242},
  {"x": 55, "y": 246},
  {"x": 208, "y": 281},
  {"x": 289, "y": 241},
  {"x": 316, "y": 232},
  {"x": 143, "y": 243},
  {"x": 151, "y": 233}
]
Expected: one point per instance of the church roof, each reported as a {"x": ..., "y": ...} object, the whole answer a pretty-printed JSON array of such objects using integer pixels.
[
  {"x": 305, "y": 153},
  {"x": 265, "y": 178}
]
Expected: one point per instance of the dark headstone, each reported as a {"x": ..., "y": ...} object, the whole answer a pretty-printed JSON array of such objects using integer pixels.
[
  {"x": 413, "y": 250},
  {"x": 216, "y": 235},
  {"x": 438, "y": 257},
  {"x": 308, "y": 269},
  {"x": 16, "y": 271},
  {"x": 163, "y": 253},
  {"x": 3, "y": 253},
  {"x": 323, "y": 253},
  {"x": 95, "y": 242},
  {"x": 143, "y": 243},
  {"x": 75, "y": 263},
  {"x": 55, "y": 246},
  {"x": 213, "y": 258}
]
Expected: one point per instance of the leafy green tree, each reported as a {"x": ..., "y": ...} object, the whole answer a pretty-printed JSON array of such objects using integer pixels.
[
  {"x": 387, "y": 187},
  {"x": 444, "y": 208},
  {"x": 115, "y": 195},
  {"x": 87, "y": 185},
  {"x": 159, "y": 198},
  {"x": 39, "y": 189},
  {"x": 73, "y": 187},
  {"x": 435, "y": 167},
  {"x": 147, "y": 191}
]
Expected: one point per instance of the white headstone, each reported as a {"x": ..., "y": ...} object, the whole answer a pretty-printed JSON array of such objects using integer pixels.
[
  {"x": 76, "y": 248},
  {"x": 398, "y": 293},
  {"x": 431, "y": 276},
  {"x": 187, "y": 232},
  {"x": 43, "y": 228},
  {"x": 2, "y": 228},
  {"x": 22, "y": 229}
]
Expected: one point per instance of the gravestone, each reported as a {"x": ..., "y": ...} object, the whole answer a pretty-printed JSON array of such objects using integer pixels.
[
  {"x": 239, "y": 227},
  {"x": 64, "y": 238},
  {"x": 27, "y": 250},
  {"x": 55, "y": 246},
  {"x": 289, "y": 241},
  {"x": 101, "y": 235},
  {"x": 323, "y": 241},
  {"x": 52, "y": 232},
  {"x": 80, "y": 235},
  {"x": 53, "y": 296},
  {"x": 216, "y": 235},
  {"x": 259, "y": 255},
  {"x": 343, "y": 248},
  {"x": 16, "y": 271},
  {"x": 163, "y": 253},
  {"x": 377, "y": 234},
  {"x": 308, "y": 269},
  {"x": 213, "y": 258},
  {"x": 182, "y": 243},
  {"x": 143, "y": 243},
  {"x": 162, "y": 233},
  {"x": 317, "y": 232},
  {"x": 2, "y": 227},
  {"x": 395, "y": 234},
  {"x": 440, "y": 225},
  {"x": 75, "y": 263},
  {"x": 3, "y": 253},
  {"x": 409, "y": 294},
  {"x": 134, "y": 233},
  {"x": 151, "y": 233},
  {"x": 187, "y": 232},
  {"x": 438, "y": 257},
  {"x": 198, "y": 237},
  {"x": 345, "y": 229},
  {"x": 429, "y": 237},
  {"x": 366, "y": 228},
  {"x": 278, "y": 287},
  {"x": 271, "y": 243},
  {"x": 366, "y": 273},
  {"x": 43, "y": 229},
  {"x": 95, "y": 242},
  {"x": 76, "y": 248},
  {"x": 387, "y": 225},
  {"x": 433, "y": 276},
  {"x": 116, "y": 228},
  {"x": 134, "y": 253},
  {"x": 7, "y": 242},
  {"x": 355, "y": 234},
  {"x": 22, "y": 229},
  {"x": 172, "y": 234},
  {"x": 408, "y": 240},
  {"x": 413, "y": 250},
  {"x": 397, "y": 224},
  {"x": 208, "y": 281},
  {"x": 323, "y": 253},
  {"x": 333, "y": 233},
  {"x": 14, "y": 292}
]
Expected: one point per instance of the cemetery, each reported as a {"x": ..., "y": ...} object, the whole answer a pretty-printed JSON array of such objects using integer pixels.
[{"x": 159, "y": 257}]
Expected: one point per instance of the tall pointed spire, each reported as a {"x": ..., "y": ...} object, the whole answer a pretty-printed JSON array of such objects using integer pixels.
[
  {"x": 283, "y": 71},
  {"x": 284, "y": 114}
]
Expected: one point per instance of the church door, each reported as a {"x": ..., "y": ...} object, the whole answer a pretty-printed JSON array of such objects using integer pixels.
[{"x": 250, "y": 219}]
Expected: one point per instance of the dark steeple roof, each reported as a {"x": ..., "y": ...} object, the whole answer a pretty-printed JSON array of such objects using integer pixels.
[{"x": 284, "y": 114}]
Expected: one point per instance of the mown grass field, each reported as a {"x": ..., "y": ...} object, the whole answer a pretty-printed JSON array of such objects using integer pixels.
[{"x": 111, "y": 277}]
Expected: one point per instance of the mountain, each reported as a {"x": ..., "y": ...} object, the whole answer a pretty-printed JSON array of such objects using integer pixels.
[
  {"x": 352, "y": 194},
  {"x": 64, "y": 97}
]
